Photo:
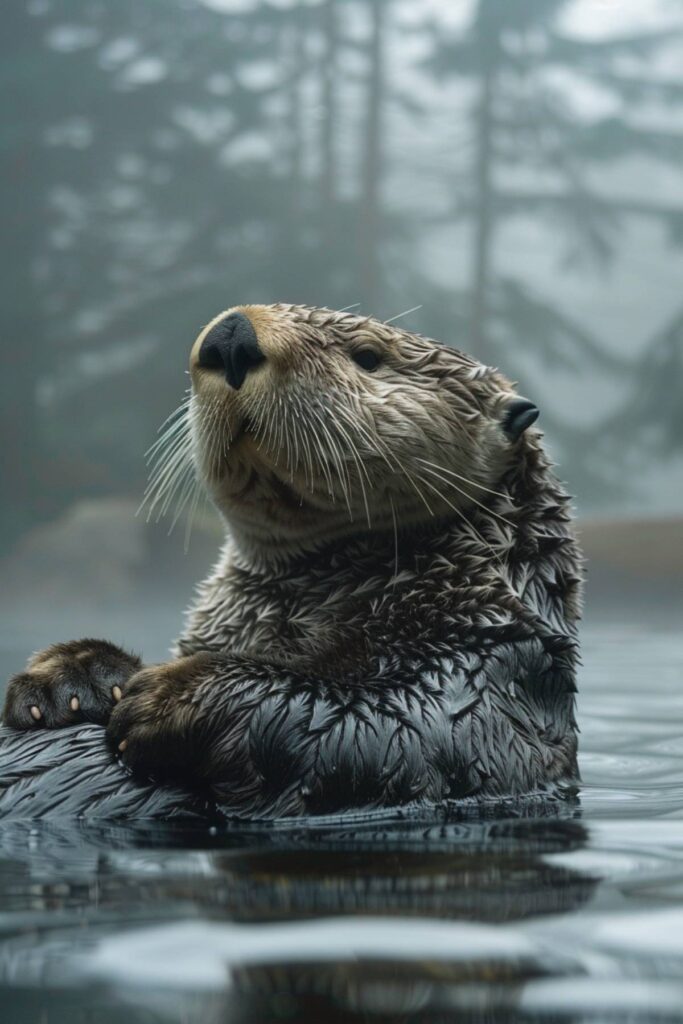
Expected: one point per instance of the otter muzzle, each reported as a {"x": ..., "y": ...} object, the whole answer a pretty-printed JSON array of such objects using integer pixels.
[{"x": 231, "y": 346}]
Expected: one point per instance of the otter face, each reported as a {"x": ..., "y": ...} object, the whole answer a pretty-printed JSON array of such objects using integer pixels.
[{"x": 308, "y": 423}]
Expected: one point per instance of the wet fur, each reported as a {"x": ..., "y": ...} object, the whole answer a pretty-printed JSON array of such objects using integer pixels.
[{"x": 354, "y": 651}]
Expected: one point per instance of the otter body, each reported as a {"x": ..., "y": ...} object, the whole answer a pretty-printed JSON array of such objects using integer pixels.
[{"x": 393, "y": 617}]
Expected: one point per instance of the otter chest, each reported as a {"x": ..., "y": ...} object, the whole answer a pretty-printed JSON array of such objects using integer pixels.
[{"x": 300, "y": 618}]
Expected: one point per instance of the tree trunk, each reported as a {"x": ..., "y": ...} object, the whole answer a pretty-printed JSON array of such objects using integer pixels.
[
  {"x": 483, "y": 215},
  {"x": 23, "y": 212},
  {"x": 296, "y": 66},
  {"x": 329, "y": 105},
  {"x": 369, "y": 233}
]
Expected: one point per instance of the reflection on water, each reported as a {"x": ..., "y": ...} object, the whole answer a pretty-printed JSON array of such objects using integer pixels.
[{"x": 569, "y": 916}]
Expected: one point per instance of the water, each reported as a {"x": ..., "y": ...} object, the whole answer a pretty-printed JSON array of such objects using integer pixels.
[{"x": 574, "y": 916}]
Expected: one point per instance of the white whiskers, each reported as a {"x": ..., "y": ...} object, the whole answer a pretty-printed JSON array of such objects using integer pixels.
[
  {"x": 319, "y": 443},
  {"x": 405, "y": 312},
  {"x": 172, "y": 481}
]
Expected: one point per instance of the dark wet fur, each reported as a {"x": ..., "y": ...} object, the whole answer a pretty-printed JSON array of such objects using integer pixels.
[
  {"x": 379, "y": 671},
  {"x": 71, "y": 772},
  {"x": 264, "y": 739}
]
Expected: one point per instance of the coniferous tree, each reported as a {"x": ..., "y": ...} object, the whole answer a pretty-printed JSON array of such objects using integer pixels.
[
  {"x": 534, "y": 155},
  {"x": 139, "y": 208},
  {"x": 161, "y": 169},
  {"x": 524, "y": 126}
]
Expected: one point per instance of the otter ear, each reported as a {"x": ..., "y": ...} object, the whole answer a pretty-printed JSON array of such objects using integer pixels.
[{"x": 519, "y": 414}]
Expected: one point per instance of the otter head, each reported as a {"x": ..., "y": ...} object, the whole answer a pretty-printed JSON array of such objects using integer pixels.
[{"x": 309, "y": 424}]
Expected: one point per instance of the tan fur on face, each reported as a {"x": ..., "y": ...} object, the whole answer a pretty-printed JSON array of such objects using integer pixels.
[{"x": 314, "y": 446}]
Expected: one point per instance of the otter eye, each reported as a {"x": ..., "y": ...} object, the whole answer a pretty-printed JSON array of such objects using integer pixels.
[{"x": 366, "y": 358}]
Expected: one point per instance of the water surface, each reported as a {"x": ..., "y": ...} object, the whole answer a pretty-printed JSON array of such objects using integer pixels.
[{"x": 573, "y": 915}]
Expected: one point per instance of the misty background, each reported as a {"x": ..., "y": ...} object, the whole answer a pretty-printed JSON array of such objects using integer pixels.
[{"x": 513, "y": 168}]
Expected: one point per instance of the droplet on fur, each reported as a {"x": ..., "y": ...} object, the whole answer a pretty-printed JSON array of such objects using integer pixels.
[
  {"x": 116, "y": 692},
  {"x": 122, "y": 745},
  {"x": 36, "y": 712},
  {"x": 74, "y": 703}
]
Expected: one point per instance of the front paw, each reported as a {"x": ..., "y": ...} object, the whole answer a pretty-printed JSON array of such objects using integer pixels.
[
  {"x": 67, "y": 683},
  {"x": 156, "y": 728}
]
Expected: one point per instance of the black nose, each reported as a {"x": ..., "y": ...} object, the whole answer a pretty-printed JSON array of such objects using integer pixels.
[{"x": 231, "y": 346}]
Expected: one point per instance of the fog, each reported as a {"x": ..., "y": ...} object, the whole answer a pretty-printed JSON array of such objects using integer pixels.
[{"x": 512, "y": 169}]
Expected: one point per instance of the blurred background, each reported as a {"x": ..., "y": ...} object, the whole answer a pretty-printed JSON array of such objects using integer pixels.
[{"x": 515, "y": 169}]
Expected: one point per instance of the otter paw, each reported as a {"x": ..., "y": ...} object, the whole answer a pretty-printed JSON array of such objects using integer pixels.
[
  {"x": 153, "y": 729},
  {"x": 67, "y": 683}
]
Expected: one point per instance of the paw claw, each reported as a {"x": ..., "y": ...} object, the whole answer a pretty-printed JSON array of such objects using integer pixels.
[
  {"x": 122, "y": 745},
  {"x": 81, "y": 680}
]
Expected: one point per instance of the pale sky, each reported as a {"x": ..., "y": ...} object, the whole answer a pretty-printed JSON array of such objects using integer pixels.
[{"x": 590, "y": 18}]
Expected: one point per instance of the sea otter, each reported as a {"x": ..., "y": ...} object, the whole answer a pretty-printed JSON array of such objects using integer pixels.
[{"x": 392, "y": 620}]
